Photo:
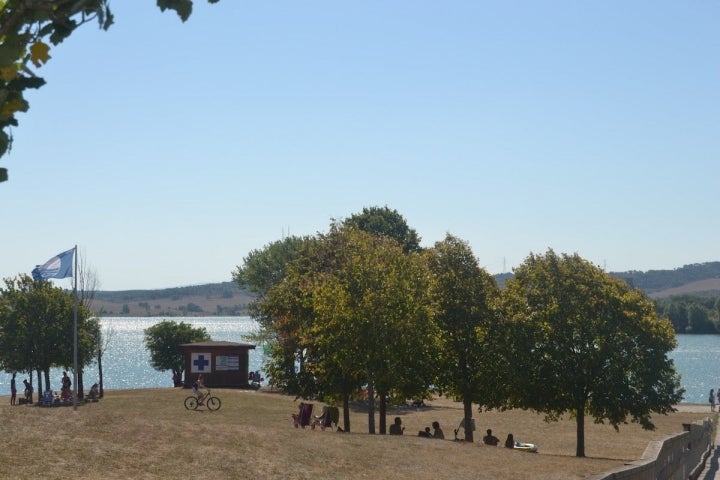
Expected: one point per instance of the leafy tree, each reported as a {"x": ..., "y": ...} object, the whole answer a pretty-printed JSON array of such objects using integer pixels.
[
  {"x": 387, "y": 222},
  {"x": 373, "y": 321},
  {"x": 691, "y": 313},
  {"x": 27, "y": 27},
  {"x": 285, "y": 316},
  {"x": 699, "y": 320},
  {"x": 344, "y": 294},
  {"x": 36, "y": 328},
  {"x": 264, "y": 268},
  {"x": 261, "y": 270},
  {"x": 278, "y": 310},
  {"x": 163, "y": 340},
  {"x": 466, "y": 299},
  {"x": 677, "y": 313},
  {"x": 590, "y": 345}
]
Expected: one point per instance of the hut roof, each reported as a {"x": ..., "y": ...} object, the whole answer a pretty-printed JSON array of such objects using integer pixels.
[{"x": 217, "y": 344}]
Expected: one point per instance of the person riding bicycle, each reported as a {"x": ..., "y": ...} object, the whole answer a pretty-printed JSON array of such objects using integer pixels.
[{"x": 197, "y": 387}]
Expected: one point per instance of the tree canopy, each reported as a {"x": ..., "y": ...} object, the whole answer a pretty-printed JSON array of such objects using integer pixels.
[
  {"x": 378, "y": 296},
  {"x": 356, "y": 313},
  {"x": 27, "y": 29},
  {"x": 466, "y": 299},
  {"x": 387, "y": 222},
  {"x": 350, "y": 283},
  {"x": 36, "y": 328},
  {"x": 163, "y": 340},
  {"x": 590, "y": 345}
]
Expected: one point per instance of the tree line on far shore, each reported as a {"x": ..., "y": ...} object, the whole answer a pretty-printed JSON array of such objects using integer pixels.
[
  {"x": 362, "y": 312},
  {"x": 691, "y": 313}
]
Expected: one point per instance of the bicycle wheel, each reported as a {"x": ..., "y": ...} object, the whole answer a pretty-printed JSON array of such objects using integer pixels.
[
  {"x": 191, "y": 403},
  {"x": 213, "y": 403}
]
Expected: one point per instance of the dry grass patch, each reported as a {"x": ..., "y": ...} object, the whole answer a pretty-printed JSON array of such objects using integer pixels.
[{"x": 148, "y": 434}]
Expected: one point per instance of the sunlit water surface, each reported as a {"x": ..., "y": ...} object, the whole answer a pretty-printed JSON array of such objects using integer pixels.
[
  {"x": 697, "y": 358},
  {"x": 126, "y": 362}
]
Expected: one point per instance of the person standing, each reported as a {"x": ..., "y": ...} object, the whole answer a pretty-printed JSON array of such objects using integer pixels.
[
  {"x": 65, "y": 393},
  {"x": 13, "y": 390},
  {"x": 712, "y": 400},
  {"x": 28, "y": 391}
]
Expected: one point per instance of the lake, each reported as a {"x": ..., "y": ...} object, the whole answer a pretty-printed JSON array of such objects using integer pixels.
[
  {"x": 126, "y": 363},
  {"x": 697, "y": 358}
]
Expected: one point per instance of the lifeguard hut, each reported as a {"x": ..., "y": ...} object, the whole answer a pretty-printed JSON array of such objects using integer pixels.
[{"x": 222, "y": 364}]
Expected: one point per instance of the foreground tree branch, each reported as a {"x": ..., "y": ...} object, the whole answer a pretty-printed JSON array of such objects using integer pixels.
[{"x": 27, "y": 29}]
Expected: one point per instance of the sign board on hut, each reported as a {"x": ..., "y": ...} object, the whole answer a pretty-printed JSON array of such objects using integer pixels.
[{"x": 222, "y": 364}]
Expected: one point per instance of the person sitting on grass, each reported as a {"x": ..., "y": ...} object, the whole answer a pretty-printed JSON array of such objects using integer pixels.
[
  {"x": 94, "y": 393},
  {"x": 510, "y": 441},
  {"x": 438, "y": 433},
  {"x": 397, "y": 428},
  {"x": 490, "y": 439}
]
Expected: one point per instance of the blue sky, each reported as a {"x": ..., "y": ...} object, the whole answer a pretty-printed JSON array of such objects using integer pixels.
[{"x": 168, "y": 151}]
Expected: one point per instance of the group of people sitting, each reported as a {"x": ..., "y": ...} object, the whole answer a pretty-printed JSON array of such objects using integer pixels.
[
  {"x": 65, "y": 396},
  {"x": 397, "y": 429},
  {"x": 331, "y": 414},
  {"x": 490, "y": 439}
]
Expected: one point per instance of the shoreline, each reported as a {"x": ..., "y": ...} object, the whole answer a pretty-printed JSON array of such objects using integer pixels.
[{"x": 685, "y": 407}]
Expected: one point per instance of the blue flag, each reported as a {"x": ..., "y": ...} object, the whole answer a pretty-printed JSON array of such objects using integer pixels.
[{"x": 59, "y": 266}]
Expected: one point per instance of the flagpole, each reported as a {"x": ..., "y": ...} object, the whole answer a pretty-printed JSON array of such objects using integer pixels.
[{"x": 75, "y": 334}]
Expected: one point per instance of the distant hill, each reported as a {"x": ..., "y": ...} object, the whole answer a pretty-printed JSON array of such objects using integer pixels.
[
  {"x": 698, "y": 278},
  {"x": 226, "y": 298},
  {"x": 198, "y": 300}
]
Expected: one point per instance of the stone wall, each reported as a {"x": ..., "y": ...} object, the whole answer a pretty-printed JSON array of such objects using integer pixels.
[{"x": 677, "y": 457}]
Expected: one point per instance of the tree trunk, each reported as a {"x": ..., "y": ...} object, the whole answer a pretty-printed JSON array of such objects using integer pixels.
[
  {"x": 371, "y": 409},
  {"x": 100, "y": 374},
  {"x": 46, "y": 374},
  {"x": 580, "y": 449},
  {"x": 382, "y": 411},
  {"x": 346, "y": 412},
  {"x": 80, "y": 385},
  {"x": 39, "y": 384},
  {"x": 467, "y": 420}
]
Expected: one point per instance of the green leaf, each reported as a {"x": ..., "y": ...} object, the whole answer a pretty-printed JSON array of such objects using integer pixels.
[
  {"x": 10, "y": 53},
  {"x": 8, "y": 73},
  {"x": 182, "y": 7},
  {"x": 62, "y": 30},
  {"x": 5, "y": 142},
  {"x": 23, "y": 82}
]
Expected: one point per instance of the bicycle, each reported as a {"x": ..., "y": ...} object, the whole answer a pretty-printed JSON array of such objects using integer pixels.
[{"x": 212, "y": 402}]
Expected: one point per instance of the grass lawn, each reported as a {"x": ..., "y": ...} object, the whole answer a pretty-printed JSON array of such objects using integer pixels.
[{"x": 148, "y": 434}]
